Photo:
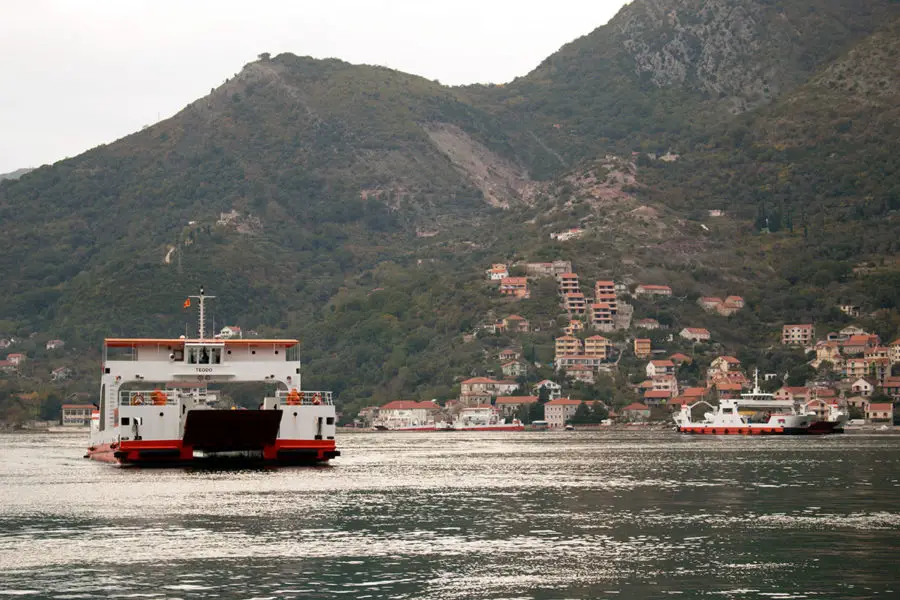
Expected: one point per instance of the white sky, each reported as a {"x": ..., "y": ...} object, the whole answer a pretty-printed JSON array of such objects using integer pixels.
[{"x": 78, "y": 73}]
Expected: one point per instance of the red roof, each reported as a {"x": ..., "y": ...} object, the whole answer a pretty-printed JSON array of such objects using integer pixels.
[
  {"x": 597, "y": 337},
  {"x": 77, "y": 406},
  {"x": 699, "y": 330},
  {"x": 514, "y": 281},
  {"x": 728, "y": 387},
  {"x": 681, "y": 357},
  {"x": 563, "y": 402},
  {"x": 515, "y": 318},
  {"x": 606, "y": 283},
  {"x": 567, "y": 338},
  {"x": 657, "y": 394},
  {"x": 730, "y": 360},
  {"x": 517, "y": 399},
  {"x": 662, "y": 363},
  {"x": 635, "y": 406},
  {"x": 881, "y": 407},
  {"x": 647, "y": 340},
  {"x": 480, "y": 380},
  {"x": 568, "y": 276},
  {"x": 695, "y": 392},
  {"x": 795, "y": 390}
]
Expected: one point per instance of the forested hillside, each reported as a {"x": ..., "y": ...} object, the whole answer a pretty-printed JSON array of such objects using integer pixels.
[{"x": 357, "y": 207}]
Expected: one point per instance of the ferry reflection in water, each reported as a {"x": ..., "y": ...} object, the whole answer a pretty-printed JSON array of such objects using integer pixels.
[{"x": 464, "y": 515}]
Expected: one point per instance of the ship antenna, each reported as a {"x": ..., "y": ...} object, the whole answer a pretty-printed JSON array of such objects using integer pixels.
[{"x": 202, "y": 317}]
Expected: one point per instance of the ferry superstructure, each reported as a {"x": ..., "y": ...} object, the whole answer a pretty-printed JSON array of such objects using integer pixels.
[
  {"x": 754, "y": 413},
  {"x": 154, "y": 408}
]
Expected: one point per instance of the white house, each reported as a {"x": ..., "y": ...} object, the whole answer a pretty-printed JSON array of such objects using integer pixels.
[
  {"x": 230, "y": 331},
  {"x": 553, "y": 389},
  {"x": 404, "y": 413},
  {"x": 54, "y": 344},
  {"x": 660, "y": 367},
  {"x": 695, "y": 334},
  {"x": 560, "y": 410}
]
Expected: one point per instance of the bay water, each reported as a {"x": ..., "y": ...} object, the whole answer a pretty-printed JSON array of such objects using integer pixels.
[{"x": 611, "y": 514}]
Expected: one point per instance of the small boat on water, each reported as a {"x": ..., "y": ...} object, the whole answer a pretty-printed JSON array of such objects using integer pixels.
[
  {"x": 155, "y": 408},
  {"x": 757, "y": 413}
]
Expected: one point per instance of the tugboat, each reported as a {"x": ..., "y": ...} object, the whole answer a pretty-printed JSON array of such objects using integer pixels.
[
  {"x": 155, "y": 409},
  {"x": 768, "y": 416},
  {"x": 481, "y": 418}
]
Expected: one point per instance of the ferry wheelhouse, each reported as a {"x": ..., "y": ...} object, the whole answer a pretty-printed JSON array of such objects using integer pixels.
[
  {"x": 755, "y": 413},
  {"x": 155, "y": 407}
]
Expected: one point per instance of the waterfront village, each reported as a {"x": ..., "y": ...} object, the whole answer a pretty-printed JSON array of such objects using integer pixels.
[
  {"x": 850, "y": 367},
  {"x": 600, "y": 341}
]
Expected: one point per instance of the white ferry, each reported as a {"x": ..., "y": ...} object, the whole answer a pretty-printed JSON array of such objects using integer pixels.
[
  {"x": 754, "y": 413},
  {"x": 481, "y": 418},
  {"x": 155, "y": 408}
]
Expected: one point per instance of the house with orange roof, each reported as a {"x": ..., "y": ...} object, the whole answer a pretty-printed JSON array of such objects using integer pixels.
[
  {"x": 652, "y": 290},
  {"x": 568, "y": 345},
  {"x": 880, "y": 413},
  {"x": 894, "y": 351},
  {"x": 509, "y": 406},
  {"x": 602, "y": 316},
  {"x": 16, "y": 358},
  {"x": 695, "y": 334},
  {"x": 863, "y": 386},
  {"x": 597, "y": 345},
  {"x": 513, "y": 369},
  {"x": 798, "y": 335},
  {"x": 7, "y": 366},
  {"x": 605, "y": 293},
  {"x": 876, "y": 368},
  {"x": 581, "y": 373},
  {"x": 876, "y": 352},
  {"x": 566, "y": 361},
  {"x": 656, "y": 397},
  {"x": 857, "y": 344},
  {"x": 709, "y": 303},
  {"x": 406, "y": 413},
  {"x": 516, "y": 324},
  {"x": 796, "y": 394},
  {"x": 660, "y": 367},
  {"x": 724, "y": 364},
  {"x": 647, "y": 324},
  {"x": 510, "y": 354},
  {"x": 726, "y": 389},
  {"x": 642, "y": 347},
  {"x": 665, "y": 383},
  {"x": 568, "y": 283},
  {"x": 678, "y": 358},
  {"x": 575, "y": 304},
  {"x": 498, "y": 272},
  {"x": 636, "y": 412},
  {"x": 891, "y": 387},
  {"x": 514, "y": 286},
  {"x": 548, "y": 269},
  {"x": 560, "y": 410},
  {"x": 573, "y": 327}
]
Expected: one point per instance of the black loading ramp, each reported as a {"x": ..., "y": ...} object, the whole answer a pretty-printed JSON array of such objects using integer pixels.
[{"x": 231, "y": 430}]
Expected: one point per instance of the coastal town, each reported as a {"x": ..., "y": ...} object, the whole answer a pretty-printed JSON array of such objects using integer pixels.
[
  {"x": 600, "y": 339},
  {"x": 611, "y": 362}
]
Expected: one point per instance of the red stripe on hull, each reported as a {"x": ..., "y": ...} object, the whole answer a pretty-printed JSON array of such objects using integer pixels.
[
  {"x": 175, "y": 453},
  {"x": 733, "y": 430},
  {"x": 494, "y": 428}
]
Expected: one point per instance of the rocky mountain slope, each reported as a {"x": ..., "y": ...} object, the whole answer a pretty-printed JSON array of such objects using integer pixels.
[{"x": 356, "y": 206}]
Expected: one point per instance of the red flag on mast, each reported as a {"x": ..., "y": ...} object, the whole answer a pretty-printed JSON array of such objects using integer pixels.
[{"x": 187, "y": 302}]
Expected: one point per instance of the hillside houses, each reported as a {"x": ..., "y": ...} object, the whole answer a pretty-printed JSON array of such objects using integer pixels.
[
  {"x": 642, "y": 347},
  {"x": 650, "y": 291},
  {"x": 548, "y": 269},
  {"x": 726, "y": 307},
  {"x": 498, "y": 272},
  {"x": 695, "y": 334},
  {"x": 798, "y": 335},
  {"x": 516, "y": 287}
]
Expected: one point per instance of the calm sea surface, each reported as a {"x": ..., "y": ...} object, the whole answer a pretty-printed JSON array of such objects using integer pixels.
[{"x": 460, "y": 515}]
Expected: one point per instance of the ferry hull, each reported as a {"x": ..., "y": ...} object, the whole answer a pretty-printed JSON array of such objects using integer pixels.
[
  {"x": 755, "y": 431},
  {"x": 176, "y": 453}
]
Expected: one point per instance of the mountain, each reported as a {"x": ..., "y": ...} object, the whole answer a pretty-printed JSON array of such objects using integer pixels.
[
  {"x": 14, "y": 174},
  {"x": 357, "y": 206}
]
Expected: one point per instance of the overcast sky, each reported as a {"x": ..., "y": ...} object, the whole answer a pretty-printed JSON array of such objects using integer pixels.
[{"x": 78, "y": 73}]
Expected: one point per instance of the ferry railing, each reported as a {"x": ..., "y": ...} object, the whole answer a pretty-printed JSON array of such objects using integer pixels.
[
  {"x": 147, "y": 397},
  {"x": 304, "y": 398}
]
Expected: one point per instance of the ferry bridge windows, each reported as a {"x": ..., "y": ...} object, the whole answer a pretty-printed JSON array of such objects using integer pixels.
[{"x": 205, "y": 355}]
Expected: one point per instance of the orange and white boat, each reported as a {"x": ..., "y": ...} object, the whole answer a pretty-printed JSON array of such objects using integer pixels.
[
  {"x": 155, "y": 409},
  {"x": 754, "y": 413}
]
